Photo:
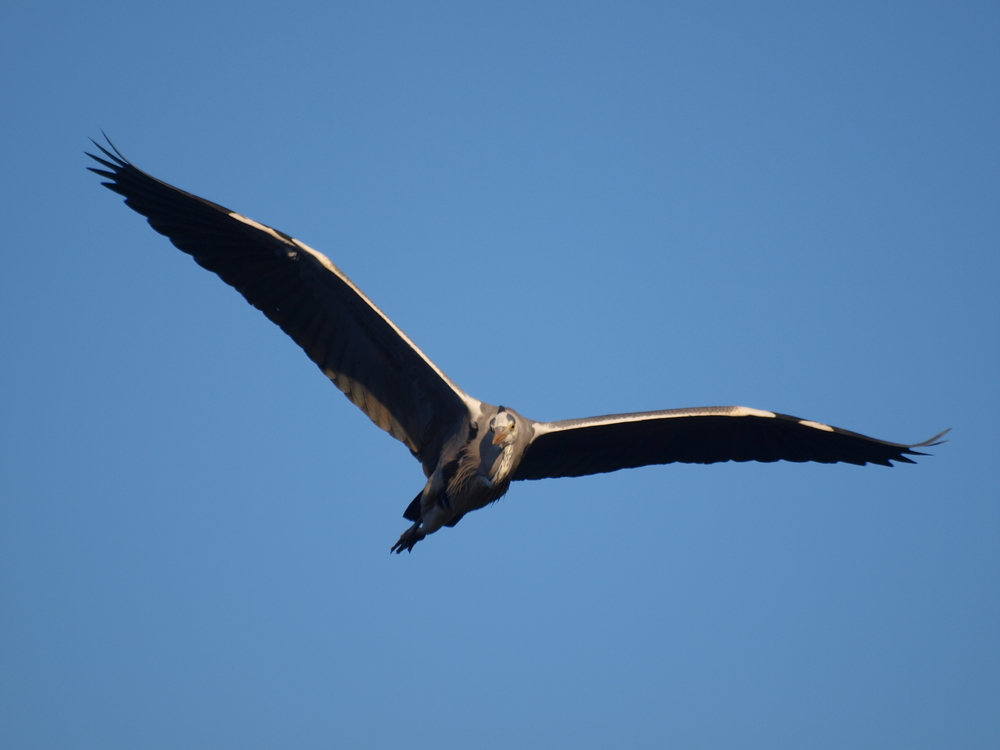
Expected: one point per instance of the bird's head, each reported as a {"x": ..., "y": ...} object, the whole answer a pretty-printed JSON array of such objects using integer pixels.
[{"x": 504, "y": 429}]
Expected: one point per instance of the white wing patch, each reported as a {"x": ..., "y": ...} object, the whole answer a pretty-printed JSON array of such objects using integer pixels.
[
  {"x": 257, "y": 225},
  {"x": 746, "y": 411},
  {"x": 817, "y": 425}
]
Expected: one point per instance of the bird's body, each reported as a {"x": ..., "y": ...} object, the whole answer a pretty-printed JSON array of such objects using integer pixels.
[
  {"x": 475, "y": 468},
  {"x": 470, "y": 450}
]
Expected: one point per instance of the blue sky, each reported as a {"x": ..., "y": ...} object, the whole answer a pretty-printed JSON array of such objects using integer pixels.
[{"x": 785, "y": 206}]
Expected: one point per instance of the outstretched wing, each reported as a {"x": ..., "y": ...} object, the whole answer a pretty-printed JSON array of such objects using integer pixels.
[
  {"x": 706, "y": 435},
  {"x": 363, "y": 352}
]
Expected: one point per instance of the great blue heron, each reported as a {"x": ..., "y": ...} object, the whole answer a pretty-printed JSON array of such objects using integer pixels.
[{"x": 470, "y": 450}]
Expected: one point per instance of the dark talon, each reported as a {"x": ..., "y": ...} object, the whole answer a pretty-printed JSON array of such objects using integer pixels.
[{"x": 408, "y": 539}]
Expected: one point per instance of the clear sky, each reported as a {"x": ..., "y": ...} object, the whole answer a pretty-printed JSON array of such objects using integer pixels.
[{"x": 574, "y": 209}]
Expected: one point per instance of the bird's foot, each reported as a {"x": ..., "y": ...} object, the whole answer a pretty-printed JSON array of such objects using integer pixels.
[{"x": 408, "y": 538}]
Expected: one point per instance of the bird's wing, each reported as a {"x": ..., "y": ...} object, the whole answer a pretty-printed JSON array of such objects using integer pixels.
[
  {"x": 354, "y": 343},
  {"x": 577, "y": 447}
]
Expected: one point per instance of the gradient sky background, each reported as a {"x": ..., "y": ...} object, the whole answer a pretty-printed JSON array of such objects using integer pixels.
[{"x": 574, "y": 209}]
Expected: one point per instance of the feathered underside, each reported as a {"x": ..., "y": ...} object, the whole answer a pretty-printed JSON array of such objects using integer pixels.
[{"x": 706, "y": 435}]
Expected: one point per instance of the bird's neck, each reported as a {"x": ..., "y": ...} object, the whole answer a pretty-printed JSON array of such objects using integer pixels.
[{"x": 505, "y": 462}]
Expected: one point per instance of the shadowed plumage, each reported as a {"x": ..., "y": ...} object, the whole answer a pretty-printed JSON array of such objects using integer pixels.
[{"x": 470, "y": 450}]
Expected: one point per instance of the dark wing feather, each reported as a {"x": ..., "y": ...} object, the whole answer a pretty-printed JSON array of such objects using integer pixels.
[
  {"x": 342, "y": 331},
  {"x": 578, "y": 447}
]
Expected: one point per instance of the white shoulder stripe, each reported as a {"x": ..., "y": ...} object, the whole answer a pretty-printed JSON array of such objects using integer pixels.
[
  {"x": 817, "y": 425},
  {"x": 746, "y": 411},
  {"x": 257, "y": 225}
]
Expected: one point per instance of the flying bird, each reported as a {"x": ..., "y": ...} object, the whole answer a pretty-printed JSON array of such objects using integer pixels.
[{"x": 470, "y": 451}]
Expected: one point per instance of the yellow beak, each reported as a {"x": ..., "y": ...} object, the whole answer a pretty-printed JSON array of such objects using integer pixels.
[{"x": 499, "y": 435}]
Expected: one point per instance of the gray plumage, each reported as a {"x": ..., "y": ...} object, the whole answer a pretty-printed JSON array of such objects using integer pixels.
[{"x": 470, "y": 450}]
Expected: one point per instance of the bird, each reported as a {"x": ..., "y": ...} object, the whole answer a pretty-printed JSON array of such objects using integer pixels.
[{"x": 470, "y": 451}]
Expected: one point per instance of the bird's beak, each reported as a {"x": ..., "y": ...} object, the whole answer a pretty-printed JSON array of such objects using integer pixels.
[{"x": 499, "y": 434}]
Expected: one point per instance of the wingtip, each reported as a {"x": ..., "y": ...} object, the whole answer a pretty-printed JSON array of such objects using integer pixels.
[
  {"x": 113, "y": 146},
  {"x": 117, "y": 156},
  {"x": 936, "y": 440},
  {"x": 929, "y": 443}
]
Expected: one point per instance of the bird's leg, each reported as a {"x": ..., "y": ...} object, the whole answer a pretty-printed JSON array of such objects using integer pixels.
[
  {"x": 408, "y": 538},
  {"x": 429, "y": 522}
]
